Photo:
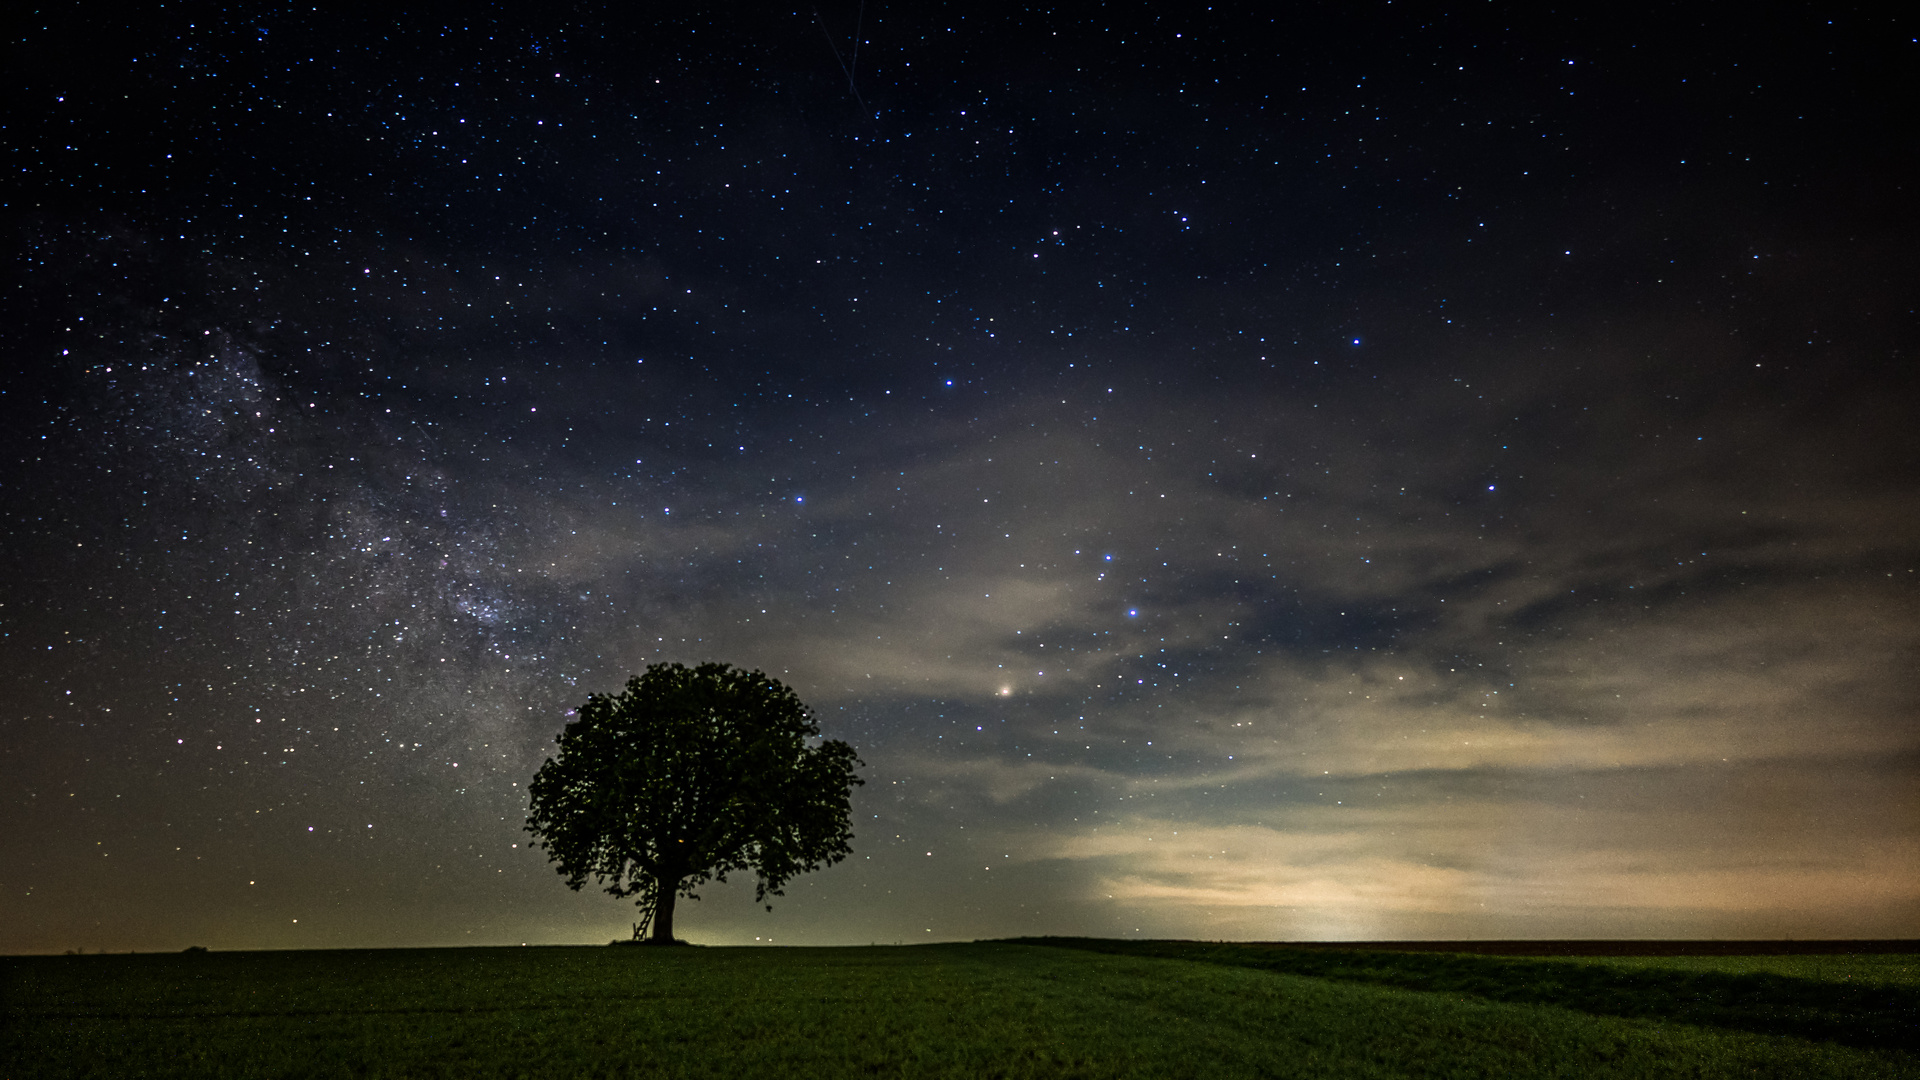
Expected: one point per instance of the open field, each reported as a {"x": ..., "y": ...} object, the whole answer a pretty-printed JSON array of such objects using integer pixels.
[
  {"x": 1870, "y": 1000},
  {"x": 985, "y": 1009}
]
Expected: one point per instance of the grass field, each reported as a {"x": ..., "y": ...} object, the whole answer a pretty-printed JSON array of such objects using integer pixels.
[
  {"x": 974, "y": 1010},
  {"x": 1866, "y": 1001}
]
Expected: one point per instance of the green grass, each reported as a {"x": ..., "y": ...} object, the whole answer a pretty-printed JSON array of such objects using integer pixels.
[
  {"x": 1895, "y": 969},
  {"x": 980, "y": 1010},
  {"x": 1865, "y": 1001}
]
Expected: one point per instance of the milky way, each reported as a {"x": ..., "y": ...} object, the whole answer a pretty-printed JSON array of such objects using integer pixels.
[{"x": 1395, "y": 477}]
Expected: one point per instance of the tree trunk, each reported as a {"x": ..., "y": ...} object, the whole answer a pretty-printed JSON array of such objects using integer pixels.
[{"x": 663, "y": 911}]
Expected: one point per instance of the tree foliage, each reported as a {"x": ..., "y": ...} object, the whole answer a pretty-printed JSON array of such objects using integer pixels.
[{"x": 688, "y": 775}]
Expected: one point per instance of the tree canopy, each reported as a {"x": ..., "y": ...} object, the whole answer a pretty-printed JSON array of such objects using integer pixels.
[{"x": 687, "y": 775}]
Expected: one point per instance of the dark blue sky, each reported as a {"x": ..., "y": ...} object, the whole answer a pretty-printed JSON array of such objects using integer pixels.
[{"x": 1348, "y": 472}]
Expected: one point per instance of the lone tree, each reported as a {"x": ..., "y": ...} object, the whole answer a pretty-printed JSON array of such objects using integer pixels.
[{"x": 688, "y": 775}]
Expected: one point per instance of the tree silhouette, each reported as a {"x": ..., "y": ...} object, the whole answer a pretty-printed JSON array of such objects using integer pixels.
[{"x": 686, "y": 776}]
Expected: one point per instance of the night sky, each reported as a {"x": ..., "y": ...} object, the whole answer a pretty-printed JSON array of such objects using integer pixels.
[{"x": 1348, "y": 471}]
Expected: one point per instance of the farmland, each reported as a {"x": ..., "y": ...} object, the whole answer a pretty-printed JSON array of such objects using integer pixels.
[{"x": 1006, "y": 1009}]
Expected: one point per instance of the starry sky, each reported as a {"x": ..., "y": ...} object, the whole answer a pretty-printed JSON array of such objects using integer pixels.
[{"x": 1345, "y": 471}]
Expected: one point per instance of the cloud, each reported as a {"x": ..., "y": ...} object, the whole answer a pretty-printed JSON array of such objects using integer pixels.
[
  {"x": 1529, "y": 863},
  {"x": 1379, "y": 707}
]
